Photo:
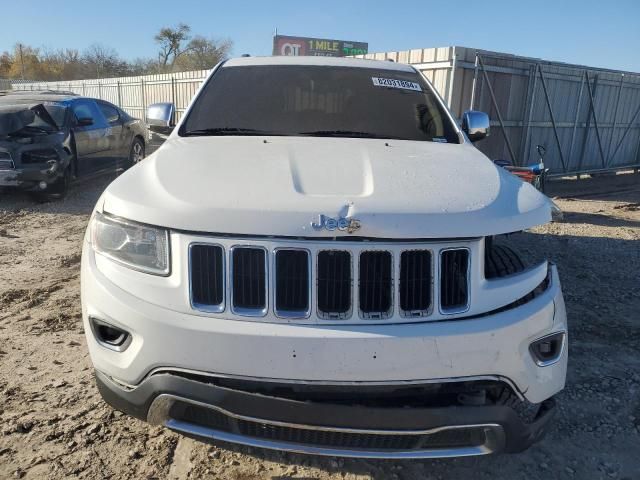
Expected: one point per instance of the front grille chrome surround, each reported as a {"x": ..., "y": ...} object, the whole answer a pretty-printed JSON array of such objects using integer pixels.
[
  {"x": 415, "y": 281},
  {"x": 445, "y": 290},
  {"x": 324, "y": 292},
  {"x": 375, "y": 284},
  {"x": 292, "y": 313},
  {"x": 216, "y": 307},
  {"x": 233, "y": 283},
  {"x": 483, "y": 295}
]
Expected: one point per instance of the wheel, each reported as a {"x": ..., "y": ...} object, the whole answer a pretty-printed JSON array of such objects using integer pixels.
[
  {"x": 500, "y": 261},
  {"x": 136, "y": 154},
  {"x": 57, "y": 190}
]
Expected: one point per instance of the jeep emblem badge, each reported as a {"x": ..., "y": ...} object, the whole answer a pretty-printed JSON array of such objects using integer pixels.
[{"x": 343, "y": 224}]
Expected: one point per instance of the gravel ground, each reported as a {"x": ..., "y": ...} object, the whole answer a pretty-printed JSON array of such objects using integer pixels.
[{"x": 53, "y": 423}]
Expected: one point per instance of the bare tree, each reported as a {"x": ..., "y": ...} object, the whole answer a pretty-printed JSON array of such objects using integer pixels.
[
  {"x": 171, "y": 40},
  {"x": 100, "y": 62},
  {"x": 203, "y": 53}
]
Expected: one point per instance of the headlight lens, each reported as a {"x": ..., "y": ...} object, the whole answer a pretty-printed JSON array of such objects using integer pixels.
[{"x": 137, "y": 246}]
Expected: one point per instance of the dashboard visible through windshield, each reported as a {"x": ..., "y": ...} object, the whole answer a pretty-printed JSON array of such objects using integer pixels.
[{"x": 296, "y": 100}]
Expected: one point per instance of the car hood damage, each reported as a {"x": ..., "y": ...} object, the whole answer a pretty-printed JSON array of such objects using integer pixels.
[{"x": 278, "y": 186}]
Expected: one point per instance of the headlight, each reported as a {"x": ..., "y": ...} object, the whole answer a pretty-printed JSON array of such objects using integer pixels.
[{"x": 137, "y": 246}]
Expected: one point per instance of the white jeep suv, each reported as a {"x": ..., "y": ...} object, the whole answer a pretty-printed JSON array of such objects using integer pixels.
[{"x": 318, "y": 260}]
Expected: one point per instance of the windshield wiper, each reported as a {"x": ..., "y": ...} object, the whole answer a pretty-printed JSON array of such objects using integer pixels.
[
  {"x": 346, "y": 133},
  {"x": 228, "y": 131}
]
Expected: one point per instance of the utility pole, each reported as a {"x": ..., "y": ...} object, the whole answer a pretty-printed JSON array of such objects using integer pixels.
[{"x": 21, "y": 61}]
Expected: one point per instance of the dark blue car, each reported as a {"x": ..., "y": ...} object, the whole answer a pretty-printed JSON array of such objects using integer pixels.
[{"x": 47, "y": 139}]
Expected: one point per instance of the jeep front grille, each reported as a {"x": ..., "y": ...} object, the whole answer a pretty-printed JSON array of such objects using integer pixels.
[
  {"x": 292, "y": 283},
  {"x": 249, "y": 281},
  {"x": 315, "y": 282},
  {"x": 454, "y": 282},
  {"x": 415, "y": 283},
  {"x": 207, "y": 277},
  {"x": 375, "y": 284},
  {"x": 334, "y": 284}
]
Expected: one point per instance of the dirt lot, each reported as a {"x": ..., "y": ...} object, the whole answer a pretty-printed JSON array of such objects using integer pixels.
[{"x": 53, "y": 423}]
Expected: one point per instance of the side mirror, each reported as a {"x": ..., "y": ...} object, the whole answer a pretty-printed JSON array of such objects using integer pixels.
[
  {"x": 476, "y": 125},
  {"x": 161, "y": 117},
  {"x": 85, "y": 121}
]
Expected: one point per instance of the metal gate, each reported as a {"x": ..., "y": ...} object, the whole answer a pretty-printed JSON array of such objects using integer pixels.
[{"x": 588, "y": 119}]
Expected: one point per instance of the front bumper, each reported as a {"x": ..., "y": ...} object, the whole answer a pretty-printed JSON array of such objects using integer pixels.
[
  {"x": 171, "y": 356},
  {"x": 213, "y": 412},
  {"x": 164, "y": 339},
  {"x": 29, "y": 178}
]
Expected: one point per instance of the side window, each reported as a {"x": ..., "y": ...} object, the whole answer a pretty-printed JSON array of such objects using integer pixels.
[
  {"x": 110, "y": 112},
  {"x": 88, "y": 109}
]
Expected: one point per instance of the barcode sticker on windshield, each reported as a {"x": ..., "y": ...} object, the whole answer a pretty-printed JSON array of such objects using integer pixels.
[{"x": 394, "y": 83}]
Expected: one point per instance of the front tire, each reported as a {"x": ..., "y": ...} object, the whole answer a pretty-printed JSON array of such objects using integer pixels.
[{"x": 136, "y": 153}]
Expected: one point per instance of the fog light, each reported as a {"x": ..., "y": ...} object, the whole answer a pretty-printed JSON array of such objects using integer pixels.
[
  {"x": 42, "y": 185},
  {"x": 548, "y": 349},
  {"x": 109, "y": 336}
]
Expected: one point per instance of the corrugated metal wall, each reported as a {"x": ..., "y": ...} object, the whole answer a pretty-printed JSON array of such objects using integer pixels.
[{"x": 610, "y": 139}]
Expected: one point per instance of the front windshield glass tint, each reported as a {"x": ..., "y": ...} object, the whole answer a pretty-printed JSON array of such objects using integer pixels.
[{"x": 319, "y": 101}]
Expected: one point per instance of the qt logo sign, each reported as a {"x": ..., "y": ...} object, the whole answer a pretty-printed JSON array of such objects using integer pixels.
[{"x": 290, "y": 49}]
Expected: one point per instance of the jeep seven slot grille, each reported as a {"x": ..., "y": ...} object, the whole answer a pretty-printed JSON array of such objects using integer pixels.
[
  {"x": 334, "y": 284},
  {"x": 330, "y": 284},
  {"x": 375, "y": 286},
  {"x": 249, "y": 271},
  {"x": 415, "y": 282},
  {"x": 454, "y": 288},
  {"x": 207, "y": 277},
  {"x": 292, "y": 283}
]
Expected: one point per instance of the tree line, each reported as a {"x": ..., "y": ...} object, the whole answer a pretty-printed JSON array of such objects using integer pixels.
[{"x": 178, "y": 50}]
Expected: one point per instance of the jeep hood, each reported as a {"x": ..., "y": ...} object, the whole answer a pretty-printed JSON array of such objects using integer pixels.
[{"x": 279, "y": 185}]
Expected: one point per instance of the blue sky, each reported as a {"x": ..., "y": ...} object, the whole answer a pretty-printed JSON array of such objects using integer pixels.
[{"x": 595, "y": 33}]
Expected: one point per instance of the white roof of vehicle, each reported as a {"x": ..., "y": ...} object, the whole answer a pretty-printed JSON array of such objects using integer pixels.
[{"x": 319, "y": 61}]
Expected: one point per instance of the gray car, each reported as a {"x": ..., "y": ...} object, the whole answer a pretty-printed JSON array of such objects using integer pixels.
[{"x": 47, "y": 139}]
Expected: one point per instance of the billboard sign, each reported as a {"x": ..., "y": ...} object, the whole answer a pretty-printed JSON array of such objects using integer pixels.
[{"x": 316, "y": 47}]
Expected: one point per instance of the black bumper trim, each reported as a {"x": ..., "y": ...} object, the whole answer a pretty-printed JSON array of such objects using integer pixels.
[{"x": 136, "y": 402}]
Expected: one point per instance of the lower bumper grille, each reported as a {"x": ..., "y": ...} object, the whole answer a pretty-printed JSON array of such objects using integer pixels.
[{"x": 465, "y": 437}]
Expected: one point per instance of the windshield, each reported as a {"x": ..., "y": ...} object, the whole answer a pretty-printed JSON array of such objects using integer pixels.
[
  {"x": 319, "y": 101},
  {"x": 56, "y": 111}
]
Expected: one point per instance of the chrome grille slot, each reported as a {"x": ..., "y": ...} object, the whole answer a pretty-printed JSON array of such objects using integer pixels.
[
  {"x": 292, "y": 283},
  {"x": 375, "y": 284},
  {"x": 334, "y": 284},
  {"x": 415, "y": 283},
  {"x": 249, "y": 281},
  {"x": 207, "y": 277},
  {"x": 454, "y": 280}
]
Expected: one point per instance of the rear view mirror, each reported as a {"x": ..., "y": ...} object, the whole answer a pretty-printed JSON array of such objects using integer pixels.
[
  {"x": 476, "y": 125},
  {"x": 161, "y": 117}
]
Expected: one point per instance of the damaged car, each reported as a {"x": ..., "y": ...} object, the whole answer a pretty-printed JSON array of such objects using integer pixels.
[{"x": 48, "y": 139}]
